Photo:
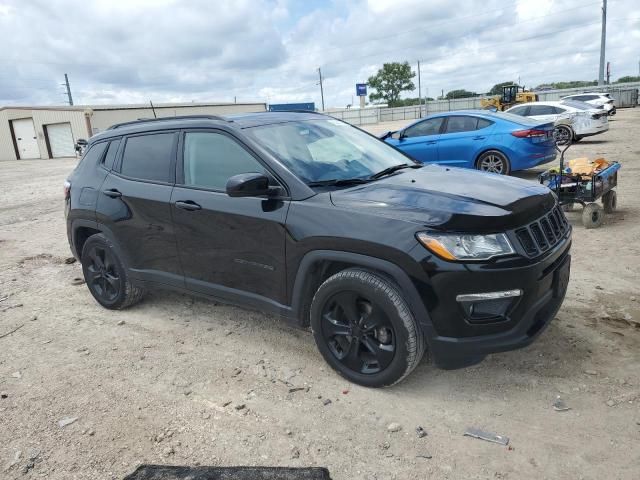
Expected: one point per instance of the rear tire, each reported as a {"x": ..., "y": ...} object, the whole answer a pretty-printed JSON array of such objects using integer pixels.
[
  {"x": 494, "y": 161},
  {"x": 364, "y": 329},
  {"x": 592, "y": 215},
  {"x": 563, "y": 135},
  {"x": 610, "y": 201},
  {"x": 106, "y": 275}
]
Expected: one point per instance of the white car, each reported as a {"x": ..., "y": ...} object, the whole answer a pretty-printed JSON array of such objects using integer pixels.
[
  {"x": 595, "y": 98},
  {"x": 574, "y": 119}
]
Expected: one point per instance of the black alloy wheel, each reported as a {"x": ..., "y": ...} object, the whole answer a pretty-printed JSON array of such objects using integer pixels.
[
  {"x": 106, "y": 274},
  {"x": 102, "y": 275},
  {"x": 358, "y": 333},
  {"x": 364, "y": 328}
]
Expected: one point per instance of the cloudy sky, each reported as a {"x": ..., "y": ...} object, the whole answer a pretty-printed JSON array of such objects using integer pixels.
[{"x": 269, "y": 50}]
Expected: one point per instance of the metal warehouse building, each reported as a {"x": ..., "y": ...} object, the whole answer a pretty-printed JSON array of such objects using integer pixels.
[{"x": 51, "y": 132}]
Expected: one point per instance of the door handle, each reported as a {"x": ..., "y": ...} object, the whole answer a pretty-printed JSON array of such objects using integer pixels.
[
  {"x": 479, "y": 137},
  {"x": 432, "y": 142},
  {"x": 187, "y": 205},
  {"x": 113, "y": 193}
]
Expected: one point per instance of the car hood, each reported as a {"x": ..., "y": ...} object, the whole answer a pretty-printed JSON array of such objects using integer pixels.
[{"x": 451, "y": 198}]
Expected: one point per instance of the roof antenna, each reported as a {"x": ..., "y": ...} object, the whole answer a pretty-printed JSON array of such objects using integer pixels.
[{"x": 154, "y": 110}]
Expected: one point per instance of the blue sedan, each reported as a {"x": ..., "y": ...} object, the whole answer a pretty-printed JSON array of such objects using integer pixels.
[{"x": 495, "y": 142}]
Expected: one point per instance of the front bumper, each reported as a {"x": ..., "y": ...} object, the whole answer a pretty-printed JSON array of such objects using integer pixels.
[{"x": 456, "y": 340}]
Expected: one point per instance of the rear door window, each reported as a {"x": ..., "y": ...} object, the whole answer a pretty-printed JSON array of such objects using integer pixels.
[
  {"x": 459, "y": 123},
  {"x": 522, "y": 111},
  {"x": 426, "y": 127},
  {"x": 541, "y": 110},
  {"x": 150, "y": 157}
]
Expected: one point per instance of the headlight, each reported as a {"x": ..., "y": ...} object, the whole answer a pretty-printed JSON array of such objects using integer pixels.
[{"x": 466, "y": 247}]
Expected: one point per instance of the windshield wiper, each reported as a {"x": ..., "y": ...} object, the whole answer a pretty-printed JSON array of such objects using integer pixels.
[
  {"x": 338, "y": 182},
  {"x": 395, "y": 168}
]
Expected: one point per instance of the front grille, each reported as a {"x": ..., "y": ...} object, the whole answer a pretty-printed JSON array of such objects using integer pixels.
[{"x": 543, "y": 234}]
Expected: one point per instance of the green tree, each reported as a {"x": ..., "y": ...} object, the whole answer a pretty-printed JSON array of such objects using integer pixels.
[
  {"x": 390, "y": 81},
  {"x": 628, "y": 79},
  {"x": 462, "y": 93},
  {"x": 497, "y": 88}
]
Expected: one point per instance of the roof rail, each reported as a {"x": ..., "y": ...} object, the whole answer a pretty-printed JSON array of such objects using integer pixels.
[
  {"x": 166, "y": 119},
  {"x": 297, "y": 111}
]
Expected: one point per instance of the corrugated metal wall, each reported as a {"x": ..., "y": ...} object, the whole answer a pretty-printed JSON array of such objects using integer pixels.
[
  {"x": 40, "y": 117},
  {"x": 626, "y": 96},
  {"x": 103, "y": 119}
]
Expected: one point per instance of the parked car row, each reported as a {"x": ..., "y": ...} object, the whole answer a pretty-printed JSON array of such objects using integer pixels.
[{"x": 523, "y": 137}]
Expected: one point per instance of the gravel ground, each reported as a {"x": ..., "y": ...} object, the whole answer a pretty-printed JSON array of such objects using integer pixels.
[{"x": 182, "y": 381}]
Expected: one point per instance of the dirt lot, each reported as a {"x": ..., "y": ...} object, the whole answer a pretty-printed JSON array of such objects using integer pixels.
[{"x": 153, "y": 384}]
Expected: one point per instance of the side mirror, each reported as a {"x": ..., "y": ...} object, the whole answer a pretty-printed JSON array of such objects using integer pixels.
[{"x": 248, "y": 185}]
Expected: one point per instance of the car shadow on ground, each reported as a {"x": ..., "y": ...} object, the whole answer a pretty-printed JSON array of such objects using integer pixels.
[{"x": 555, "y": 354}]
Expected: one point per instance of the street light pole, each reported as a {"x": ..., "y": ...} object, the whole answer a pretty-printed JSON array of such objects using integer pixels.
[
  {"x": 602, "y": 42},
  {"x": 321, "y": 90}
]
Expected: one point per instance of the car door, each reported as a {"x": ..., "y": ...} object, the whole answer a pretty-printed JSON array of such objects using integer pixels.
[
  {"x": 462, "y": 140},
  {"x": 229, "y": 247},
  {"x": 545, "y": 113},
  {"x": 133, "y": 206},
  {"x": 420, "y": 140}
]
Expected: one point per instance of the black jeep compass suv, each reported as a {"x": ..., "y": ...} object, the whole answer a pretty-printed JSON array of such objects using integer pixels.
[{"x": 307, "y": 217}]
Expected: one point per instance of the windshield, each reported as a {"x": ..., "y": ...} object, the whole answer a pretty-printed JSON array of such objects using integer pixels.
[
  {"x": 578, "y": 104},
  {"x": 326, "y": 149}
]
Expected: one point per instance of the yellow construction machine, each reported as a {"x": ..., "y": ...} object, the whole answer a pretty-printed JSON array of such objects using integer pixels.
[{"x": 511, "y": 95}]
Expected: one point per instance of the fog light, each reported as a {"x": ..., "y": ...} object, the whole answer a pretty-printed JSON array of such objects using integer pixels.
[{"x": 488, "y": 307}]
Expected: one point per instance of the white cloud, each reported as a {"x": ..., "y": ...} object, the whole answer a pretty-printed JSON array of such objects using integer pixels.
[{"x": 136, "y": 50}]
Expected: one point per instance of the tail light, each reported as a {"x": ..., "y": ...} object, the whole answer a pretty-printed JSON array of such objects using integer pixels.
[
  {"x": 67, "y": 189},
  {"x": 529, "y": 133},
  {"x": 536, "y": 136}
]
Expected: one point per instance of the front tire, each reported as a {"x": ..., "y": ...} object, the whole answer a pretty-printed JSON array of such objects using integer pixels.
[
  {"x": 364, "y": 329},
  {"x": 494, "y": 161},
  {"x": 106, "y": 276}
]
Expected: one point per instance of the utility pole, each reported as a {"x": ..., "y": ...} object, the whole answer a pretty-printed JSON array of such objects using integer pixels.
[
  {"x": 602, "y": 42},
  {"x": 419, "y": 92},
  {"x": 321, "y": 90},
  {"x": 66, "y": 83}
]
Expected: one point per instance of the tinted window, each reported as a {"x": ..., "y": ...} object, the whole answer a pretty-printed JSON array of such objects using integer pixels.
[
  {"x": 483, "y": 123},
  {"x": 541, "y": 110},
  {"x": 577, "y": 104},
  {"x": 210, "y": 159},
  {"x": 589, "y": 97},
  {"x": 148, "y": 157},
  {"x": 559, "y": 110},
  {"x": 580, "y": 98},
  {"x": 426, "y": 127},
  {"x": 94, "y": 154},
  {"x": 111, "y": 154},
  {"x": 519, "y": 110},
  {"x": 461, "y": 124}
]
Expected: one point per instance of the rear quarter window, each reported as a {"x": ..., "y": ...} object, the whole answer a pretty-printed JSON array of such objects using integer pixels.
[
  {"x": 92, "y": 156},
  {"x": 149, "y": 157}
]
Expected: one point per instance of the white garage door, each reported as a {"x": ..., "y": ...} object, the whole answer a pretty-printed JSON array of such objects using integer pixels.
[
  {"x": 26, "y": 139},
  {"x": 61, "y": 140}
]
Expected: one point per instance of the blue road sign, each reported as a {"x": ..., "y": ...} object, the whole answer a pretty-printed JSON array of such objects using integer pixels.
[{"x": 361, "y": 89}]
